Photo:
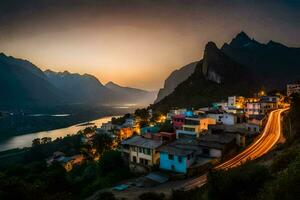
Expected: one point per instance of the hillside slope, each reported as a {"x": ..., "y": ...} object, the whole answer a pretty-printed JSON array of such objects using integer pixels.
[
  {"x": 174, "y": 79},
  {"x": 24, "y": 84},
  {"x": 216, "y": 76},
  {"x": 79, "y": 88}
]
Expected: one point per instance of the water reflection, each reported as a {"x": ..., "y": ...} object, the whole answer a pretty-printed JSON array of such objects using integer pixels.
[{"x": 26, "y": 140}]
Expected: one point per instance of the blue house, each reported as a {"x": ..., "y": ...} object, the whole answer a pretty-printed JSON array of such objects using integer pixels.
[{"x": 177, "y": 156}]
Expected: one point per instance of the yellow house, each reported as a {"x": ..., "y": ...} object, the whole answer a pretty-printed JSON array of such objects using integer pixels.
[
  {"x": 194, "y": 127},
  {"x": 141, "y": 152}
]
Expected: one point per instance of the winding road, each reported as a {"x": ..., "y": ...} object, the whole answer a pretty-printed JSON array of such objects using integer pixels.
[{"x": 264, "y": 143}]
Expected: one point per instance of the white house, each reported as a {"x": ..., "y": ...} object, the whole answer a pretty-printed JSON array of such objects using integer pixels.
[{"x": 223, "y": 118}]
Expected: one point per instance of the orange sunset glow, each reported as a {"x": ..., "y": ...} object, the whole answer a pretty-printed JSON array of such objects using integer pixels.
[{"x": 136, "y": 44}]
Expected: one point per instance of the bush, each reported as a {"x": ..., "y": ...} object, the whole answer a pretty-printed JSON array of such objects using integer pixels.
[
  {"x": 106, "y": 196},
  {"x": 243, "y": 182},
  {"x": 282, "y": 160},
  {"x": 195, "y": 194},
  {"x": 285, "y": 185},
  {"x": 152, "y": 196}
]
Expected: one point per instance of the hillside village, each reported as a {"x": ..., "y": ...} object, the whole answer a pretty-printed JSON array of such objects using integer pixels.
[{"x": 196, "y": 139}]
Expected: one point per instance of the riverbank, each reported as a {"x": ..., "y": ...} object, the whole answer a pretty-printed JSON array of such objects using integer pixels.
[
  {"x": 26, "y": 139},
  {"x": 24, "y": 122}
]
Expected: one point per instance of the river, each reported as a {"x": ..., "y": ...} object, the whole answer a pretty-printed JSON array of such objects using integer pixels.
[{"x": 26, "y": 140}]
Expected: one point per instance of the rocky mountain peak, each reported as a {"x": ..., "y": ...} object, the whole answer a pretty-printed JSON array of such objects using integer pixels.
[
  {"x": 111, "y": 84},
  {"x": 210, "y": 47},
  {"x": 240, "y": 40}
]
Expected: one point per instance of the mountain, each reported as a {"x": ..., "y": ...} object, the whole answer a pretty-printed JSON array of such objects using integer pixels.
[
  {"x": 22, "y": 83},
  {"x": 276, "y": 63},
  {"x": 216, "y": 77},
  {"x": 132, "y": 95},
  {"x": 79, "y": 88},
  {"x": 174, "y": 79}
]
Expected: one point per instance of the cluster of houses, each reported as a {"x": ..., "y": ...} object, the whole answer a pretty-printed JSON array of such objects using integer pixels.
[
  {"x": 200, "y": 138},
  {"x": 124, "y": 131}
]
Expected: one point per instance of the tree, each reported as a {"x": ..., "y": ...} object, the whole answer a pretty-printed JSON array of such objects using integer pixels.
[
  {"x": 111, "y": 160},
  {"x": 90, "y": 129},
  {"x": 102, "y": 142},
  {"x": 155, "y": 117},
  {"x": 46, "y": 140},
  {"x": 36, "y": 141},
  {"x": 142, "y": 117},
  {"x": 142, "y": 114},
  {"x": 120, "y": 120},
  {"x": 166, "y": 127}
]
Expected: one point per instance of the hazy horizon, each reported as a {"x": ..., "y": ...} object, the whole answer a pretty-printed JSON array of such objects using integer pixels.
[{"x": 137, "y": 43}]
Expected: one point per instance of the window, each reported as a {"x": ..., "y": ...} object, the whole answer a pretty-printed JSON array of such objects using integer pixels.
[
  {"x": 173, "y": 167},
  {"x": 134, "y": 159},
  {"x": 148, "y": 152},
  {"x": 171, "y": 157},
  {"x": 205, "y": 151},
  {"x": 140, "y": 149},
  {"x": 189, "y": 129},
  {"x": 146, "y": 162},
  {"x": 179, "y": 159}
]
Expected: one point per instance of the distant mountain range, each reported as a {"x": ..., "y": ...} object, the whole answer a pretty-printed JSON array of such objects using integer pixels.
[
  {"x": 275, "y": 63},
  {"x": 79, "y": 88},
  {"x": 24, "y": 84},
  {"x": 133, "y": 95},
  {"x": 238, "y": 68}
]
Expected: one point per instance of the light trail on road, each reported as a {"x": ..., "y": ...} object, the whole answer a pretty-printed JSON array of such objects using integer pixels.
[{"x": 263, "y": 144}]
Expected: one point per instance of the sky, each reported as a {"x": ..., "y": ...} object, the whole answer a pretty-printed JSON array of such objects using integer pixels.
[{"x": 136, "y": 43}]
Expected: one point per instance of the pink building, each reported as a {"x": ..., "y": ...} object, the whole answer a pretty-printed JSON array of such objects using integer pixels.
[{"x": 178, "y": 121}]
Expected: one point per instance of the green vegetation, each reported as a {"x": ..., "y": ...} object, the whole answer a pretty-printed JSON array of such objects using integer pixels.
[
  {"x": 151, "y": 196},
  {"x": 166, "y": 127},
  {"x": 142, "y": 117},
  {"x": 27, "y": 175},
  {"x": 37, "y": 181},
  {"x": 120, "y": 120},
  {"x": 243, "y": 182}
]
